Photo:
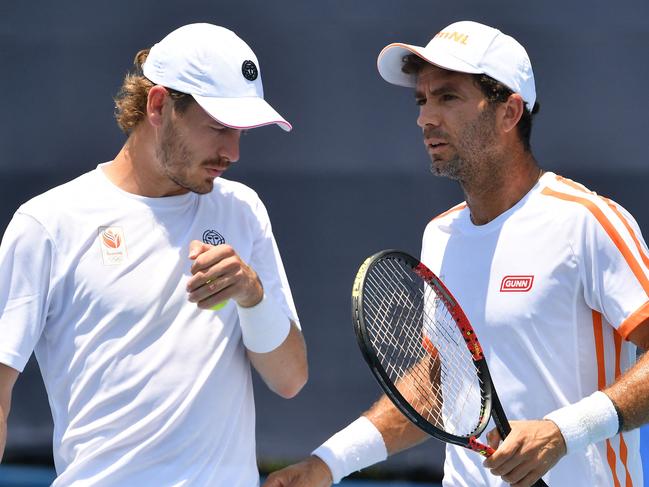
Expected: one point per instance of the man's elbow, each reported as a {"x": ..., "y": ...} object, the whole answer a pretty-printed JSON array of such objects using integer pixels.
[{"x": 290, "y": 387}]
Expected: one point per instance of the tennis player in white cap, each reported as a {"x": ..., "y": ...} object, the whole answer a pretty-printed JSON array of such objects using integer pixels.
[
  {"x": 148, "y": 286},
  {"x": 557, "y": 349}
]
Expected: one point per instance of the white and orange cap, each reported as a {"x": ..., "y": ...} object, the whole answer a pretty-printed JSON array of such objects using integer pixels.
[
  {"x": 466, "y": 47},
  {"x": 218, "y": 69}
]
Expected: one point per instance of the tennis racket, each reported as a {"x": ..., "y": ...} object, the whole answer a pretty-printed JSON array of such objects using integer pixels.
[{"x": 423, "y": 351}]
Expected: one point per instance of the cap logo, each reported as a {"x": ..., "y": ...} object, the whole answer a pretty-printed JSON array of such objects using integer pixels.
[
  {"x": 453, "y": 36},
  {"x": 249, "y": 70}
]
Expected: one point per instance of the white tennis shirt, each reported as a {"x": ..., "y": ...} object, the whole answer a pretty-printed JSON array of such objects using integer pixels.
[
  {"x": 145, "y": 388},
  {"x": 552, "y": 287}
]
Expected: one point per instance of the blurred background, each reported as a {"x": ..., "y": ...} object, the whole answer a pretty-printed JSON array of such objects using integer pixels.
[{"x": 352, "y": 178}]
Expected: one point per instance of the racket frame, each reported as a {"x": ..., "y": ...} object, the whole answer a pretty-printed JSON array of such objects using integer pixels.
[{"x": 490, "y": 403}]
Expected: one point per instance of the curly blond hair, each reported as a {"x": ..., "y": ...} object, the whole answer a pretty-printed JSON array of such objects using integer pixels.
[{"x": 131, "y": 99}]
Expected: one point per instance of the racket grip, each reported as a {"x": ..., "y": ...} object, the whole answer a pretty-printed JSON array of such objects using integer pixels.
[
  {"x": 484, "y": 450},
  {"x": 487, "y": 451}
]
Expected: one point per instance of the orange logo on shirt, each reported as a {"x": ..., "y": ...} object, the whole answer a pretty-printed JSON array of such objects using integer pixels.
[
  {"x": 112, "y": 244},
  {"x": 111, "y": 239},
  {"x": 516, "y": 284}
]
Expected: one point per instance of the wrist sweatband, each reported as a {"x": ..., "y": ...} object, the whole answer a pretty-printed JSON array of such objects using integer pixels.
[
  {"x": 264, "y": 326},
  {"x": 357, "y": 446},
  {"x": 593, "y": 419}
]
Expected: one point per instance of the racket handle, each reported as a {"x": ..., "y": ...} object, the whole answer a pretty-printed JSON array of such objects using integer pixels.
[
  {"x": 484, "y": 450},
  {"x": 487, "y": 451}
]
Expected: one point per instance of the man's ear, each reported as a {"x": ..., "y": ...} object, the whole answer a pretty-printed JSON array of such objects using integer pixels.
[
  {"x": 513, "y": 111},
  {"x": 155, "y": 104}
]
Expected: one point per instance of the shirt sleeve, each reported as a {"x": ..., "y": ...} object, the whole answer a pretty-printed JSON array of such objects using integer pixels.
[
  {"x": 26, "y": 259},
  {"x": 616, "y": 267},
  {"x": 267, "y": 262}
]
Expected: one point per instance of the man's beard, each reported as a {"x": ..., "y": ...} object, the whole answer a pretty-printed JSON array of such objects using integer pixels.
[
  {"x": 472, "y": 151},
  {"x": 176, "y": 160}
]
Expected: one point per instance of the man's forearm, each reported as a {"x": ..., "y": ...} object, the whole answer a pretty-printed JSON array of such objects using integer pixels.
[
  {"x": 398, "y": 432},
  {"x": 8, "y": 378},
  {"x": 284, "y": 369},
  {"x": 381, "y": 431},
  {"x": 3, "y": 435},
  {"x": 630, "y": 394},
  {"x": 621, "y": 407}
]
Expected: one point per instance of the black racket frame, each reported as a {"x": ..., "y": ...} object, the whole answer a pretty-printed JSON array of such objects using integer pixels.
[{"x": 491, "y": 406}]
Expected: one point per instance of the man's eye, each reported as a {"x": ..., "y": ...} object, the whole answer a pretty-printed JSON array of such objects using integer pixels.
[
  {"x": 448, "y": 97},
  {"x": 420, "y": 101}
]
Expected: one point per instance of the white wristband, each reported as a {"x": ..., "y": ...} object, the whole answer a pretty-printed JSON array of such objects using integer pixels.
[
  {"x": 590, "y": 420},
  {"x": 357, "y": 446},
  {"x": 264, "y": 326}
]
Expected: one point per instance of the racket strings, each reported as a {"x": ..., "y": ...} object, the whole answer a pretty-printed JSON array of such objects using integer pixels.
[
  {"x": 416, "y": 385},
  {"x": 403, "y": 309},
  {"x": 459, "y": 370},
  {"x": 448, "y": 337},
  {"x": 392, "y": 361},
  {"x": 420, "y": 347}
]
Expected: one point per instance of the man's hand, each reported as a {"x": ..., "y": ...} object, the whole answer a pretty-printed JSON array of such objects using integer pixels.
[
  {"x": 311, "y": 472},
  {"x": 219, "y": 274},
  {"x": 529, "y": 452}
]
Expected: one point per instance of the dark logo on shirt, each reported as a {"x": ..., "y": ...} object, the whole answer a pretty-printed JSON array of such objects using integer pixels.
[
  {"x": 212, "y": 237},
  {"x": 249, "y": 70}
]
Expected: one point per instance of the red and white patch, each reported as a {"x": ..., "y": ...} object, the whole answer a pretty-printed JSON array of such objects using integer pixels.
[
  {"x": 516, "y": 284},
  {"x": 113, "y": 245}
]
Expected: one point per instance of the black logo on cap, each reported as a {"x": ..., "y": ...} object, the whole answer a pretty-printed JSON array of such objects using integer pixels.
[
  {"x": 249, "y": 70},
  {"x": 212, "y": 237}
]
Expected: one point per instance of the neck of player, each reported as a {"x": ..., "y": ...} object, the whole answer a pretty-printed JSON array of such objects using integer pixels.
[
  {"x": 493, "y": 192},
  {"x": 136, "y": 168}
]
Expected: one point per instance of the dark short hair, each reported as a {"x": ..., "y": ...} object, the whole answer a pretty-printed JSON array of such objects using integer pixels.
[
  {"x": 493, "y": 90},
  {"x": 130, "y": 101}
]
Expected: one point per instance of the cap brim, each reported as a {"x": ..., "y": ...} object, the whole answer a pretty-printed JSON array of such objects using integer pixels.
[
  {"x": 390, "y": 62},
  {"x": 242, "y": 113}
]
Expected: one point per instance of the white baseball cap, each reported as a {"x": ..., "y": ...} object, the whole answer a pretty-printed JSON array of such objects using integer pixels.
[
  {"x": 218, "y": 69},
  {"x": 466, "y": 47}
]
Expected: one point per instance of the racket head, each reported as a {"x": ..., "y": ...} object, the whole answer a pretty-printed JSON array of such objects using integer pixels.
[{"x": 391, "y": 308}]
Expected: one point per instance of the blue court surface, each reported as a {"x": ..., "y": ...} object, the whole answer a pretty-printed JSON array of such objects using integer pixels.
[
  {"x": 28, "y": 476},
  {"x": 24, "y": 476}
]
